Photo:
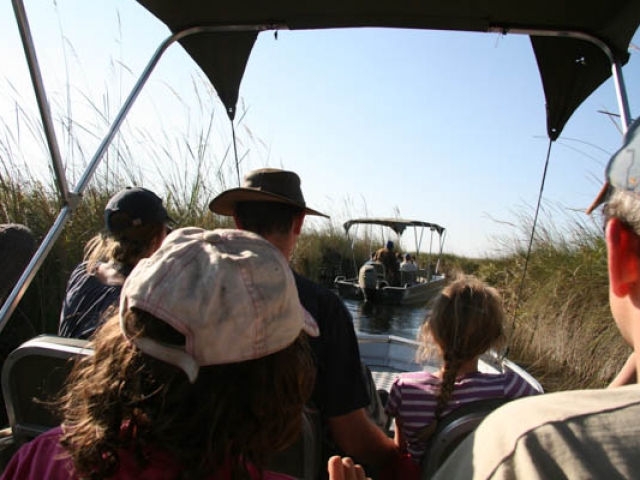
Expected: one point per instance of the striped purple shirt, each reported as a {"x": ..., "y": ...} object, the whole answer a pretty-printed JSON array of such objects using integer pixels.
[{"x": 414, "y": 395}]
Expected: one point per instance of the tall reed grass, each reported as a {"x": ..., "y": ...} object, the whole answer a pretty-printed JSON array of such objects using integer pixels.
[
  {"x": 560, "y": 325},
  {"x": 181, "y": 166}
]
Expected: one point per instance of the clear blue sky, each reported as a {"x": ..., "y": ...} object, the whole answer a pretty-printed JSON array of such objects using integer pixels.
[{"x": 435, "y": 126}]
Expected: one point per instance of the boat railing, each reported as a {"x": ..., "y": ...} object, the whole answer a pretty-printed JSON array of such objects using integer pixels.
[
  {"x": 492, "y": 362},
  {"x": 389, "y": 351}
]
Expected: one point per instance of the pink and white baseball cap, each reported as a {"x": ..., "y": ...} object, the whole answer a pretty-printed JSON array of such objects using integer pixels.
[{"x": 231, "y": 293}]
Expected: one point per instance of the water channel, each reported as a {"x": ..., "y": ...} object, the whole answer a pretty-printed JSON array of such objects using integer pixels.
[{"x": 403, "y": 321}]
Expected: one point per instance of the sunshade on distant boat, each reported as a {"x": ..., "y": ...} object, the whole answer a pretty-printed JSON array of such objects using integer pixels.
[
  {"x": 567, "y": 36},
  {"x": 398, "y": 225}
]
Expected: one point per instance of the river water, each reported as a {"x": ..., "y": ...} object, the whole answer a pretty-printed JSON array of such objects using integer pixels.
[{"x": 394, "y": 320}]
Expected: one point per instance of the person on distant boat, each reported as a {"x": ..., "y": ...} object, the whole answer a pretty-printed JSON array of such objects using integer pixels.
[
  {"x": 407, "y": 270},
  {"x": 580, "y": 433},
  {"x": 408, "y": 265},
  {"x": 271, "y": 203},
  {"x": 465, "y": 321},
  {"x": 387, "y": 257},
  {"x": 371, "y": 260},
  {"x": 203, "y": 372},
  {"x": 136, "y": 223}
]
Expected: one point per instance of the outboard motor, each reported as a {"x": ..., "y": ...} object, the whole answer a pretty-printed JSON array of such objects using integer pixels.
[{"x": 368, "y": 281}]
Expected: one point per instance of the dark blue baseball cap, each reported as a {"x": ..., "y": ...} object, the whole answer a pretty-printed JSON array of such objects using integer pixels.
[
  {"x": 134, "y": 207},
  {"x": 623, "y": 171}
]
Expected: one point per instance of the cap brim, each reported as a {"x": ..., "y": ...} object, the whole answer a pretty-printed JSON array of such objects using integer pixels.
[
  {"x": 310, "y": 327},
  {"x": 224, "y": 204},
  {"x": 600, "y": 199},
  {"x": 173, "y": 355}
]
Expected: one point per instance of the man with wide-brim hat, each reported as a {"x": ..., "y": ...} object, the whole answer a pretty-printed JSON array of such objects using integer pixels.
[
  {"x": 270, "y": 203},
  {"x": 264, "y": 185}
]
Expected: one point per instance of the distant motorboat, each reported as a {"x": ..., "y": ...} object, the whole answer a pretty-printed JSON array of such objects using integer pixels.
[{"x": 414, "y": 287}]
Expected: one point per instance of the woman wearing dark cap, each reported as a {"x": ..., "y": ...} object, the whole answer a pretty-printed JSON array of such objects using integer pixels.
[{"x": 136, "y": 223}]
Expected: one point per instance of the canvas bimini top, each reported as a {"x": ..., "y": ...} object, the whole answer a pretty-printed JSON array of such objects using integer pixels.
[
  {"x": 575, "y": 42},
  {"x": 398, "y": 225}
]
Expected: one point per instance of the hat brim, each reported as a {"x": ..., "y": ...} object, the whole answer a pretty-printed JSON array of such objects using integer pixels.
[
  {"x": 224, "y": 204},
  {"x": 310, "y": 327},
  {"x": 600, "y": 199}
]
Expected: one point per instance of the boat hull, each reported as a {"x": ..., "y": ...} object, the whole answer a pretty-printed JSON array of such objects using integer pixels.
[
  {"x": 415, "y": 294},
  {"x": 388, "y": 355},
  {"x": 348, "y": 288}
]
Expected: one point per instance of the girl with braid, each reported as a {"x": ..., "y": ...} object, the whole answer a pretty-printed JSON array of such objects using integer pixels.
[{"x": 466, "y": 320}]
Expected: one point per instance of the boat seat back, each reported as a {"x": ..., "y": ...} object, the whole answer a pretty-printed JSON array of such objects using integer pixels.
[
  {"x": 423, "y": 273},
  {"x": 453, "y": 429},
  {"x": 302, "y": 460},
  {"x": 407, "y": 277},
  {"x": 380, "y": 270},
  {"x": 33, "y": 375}
]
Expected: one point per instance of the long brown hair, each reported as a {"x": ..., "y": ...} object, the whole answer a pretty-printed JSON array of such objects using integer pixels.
[
  {"x": 127, "y": 248},
  {"x": 465, "y": 321},
  {"x": 119, "y": 398}
]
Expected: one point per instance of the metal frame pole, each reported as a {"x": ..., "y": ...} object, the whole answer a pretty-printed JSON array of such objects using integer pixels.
[
  {"x": 621, "y": 94},
  {"x": 71, "y": 199},
  {"x": 41, "y": 97}
]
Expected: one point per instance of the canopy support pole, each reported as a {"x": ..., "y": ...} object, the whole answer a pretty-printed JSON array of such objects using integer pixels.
[
  {"x": 429, "y": 256},
  {"x": 441, "y": 236},
  {"x": 70, "y": 199},
  {"x": 621, "y": 94},
  {"x": 41, "y": 98},
  {"x": 418, "y": 241}
]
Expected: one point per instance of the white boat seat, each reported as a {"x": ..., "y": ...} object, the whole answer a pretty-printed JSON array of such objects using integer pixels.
[
  {"x": 453, "y": 429},
  {"x": 33, "y": 375},
  {"x": 377, "y": 401}
]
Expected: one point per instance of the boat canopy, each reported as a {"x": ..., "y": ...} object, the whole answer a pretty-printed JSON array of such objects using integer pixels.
[
  {"x": 575, "y": 42},
  {"x": 398, "y": 225}
]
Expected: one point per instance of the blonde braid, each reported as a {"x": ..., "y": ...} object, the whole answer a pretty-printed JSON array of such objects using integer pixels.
[{"x": 449, "y": 374}]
